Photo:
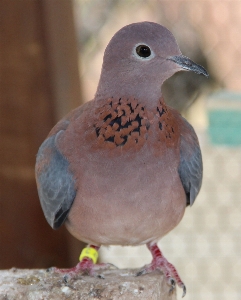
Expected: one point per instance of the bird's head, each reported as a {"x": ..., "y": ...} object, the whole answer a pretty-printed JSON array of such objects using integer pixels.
[{"x": 139, "y": 58}]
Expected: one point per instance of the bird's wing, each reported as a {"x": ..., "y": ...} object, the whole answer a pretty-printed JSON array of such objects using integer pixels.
[
  {"x": 55, "y": 182},
  {"x": 190, "y": 167},
  {"x": 56, "y": 185}
]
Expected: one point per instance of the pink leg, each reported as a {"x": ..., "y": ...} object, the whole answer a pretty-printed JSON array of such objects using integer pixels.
[
  {"x": 159, "y": 262},
  {"x": 85, "y": 266}
]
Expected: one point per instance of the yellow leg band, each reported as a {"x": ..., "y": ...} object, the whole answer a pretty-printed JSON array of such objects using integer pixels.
[{"x": 89, "y": 253}]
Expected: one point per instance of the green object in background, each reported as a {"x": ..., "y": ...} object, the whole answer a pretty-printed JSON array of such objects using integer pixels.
[
  {"x": 225, "y": 127},
  {"x": 224, "y": 115}
]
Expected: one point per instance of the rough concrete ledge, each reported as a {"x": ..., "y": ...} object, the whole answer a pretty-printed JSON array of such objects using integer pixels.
[{"x": 118, "y": 284}]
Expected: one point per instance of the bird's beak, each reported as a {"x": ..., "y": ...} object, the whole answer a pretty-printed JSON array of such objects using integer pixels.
[{"x": 187, "y": 64}]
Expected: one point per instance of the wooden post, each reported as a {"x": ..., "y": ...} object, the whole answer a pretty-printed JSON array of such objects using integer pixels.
[{"x": 39, "y": 82}]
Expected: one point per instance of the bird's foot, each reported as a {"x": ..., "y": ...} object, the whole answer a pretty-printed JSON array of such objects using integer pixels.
[
  {"x": 87, "y": 265},
  {"x": 84, "y": 267},
  {"x": 159, "y": 262}
]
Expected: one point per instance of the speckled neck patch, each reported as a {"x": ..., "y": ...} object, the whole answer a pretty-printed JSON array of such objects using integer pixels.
[
  {"x": 166, "y": 124},
  {"x": 125, "y": 122}
]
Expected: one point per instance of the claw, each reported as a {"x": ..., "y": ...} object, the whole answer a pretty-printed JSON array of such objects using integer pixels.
[
  {"x": 51, "y": 269},
  {"x": 173, "y": 285},
  {"x": 112, "y": 266},
  {"x": 66, "y": 278},
  {"x": 141, "y": 272},
  {"x": 184, "y": 289}
]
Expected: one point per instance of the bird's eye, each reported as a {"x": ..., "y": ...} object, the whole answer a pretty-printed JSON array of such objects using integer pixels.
[{"x": 143, "y": 51}]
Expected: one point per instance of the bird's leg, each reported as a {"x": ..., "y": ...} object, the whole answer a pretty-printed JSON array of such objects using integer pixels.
[
  {"x": 159, "y": 262},
  {"x": 87, "y": 264}
]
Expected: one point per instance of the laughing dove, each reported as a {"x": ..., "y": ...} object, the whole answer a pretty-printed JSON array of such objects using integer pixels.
[{"x": 121, "y": 169}]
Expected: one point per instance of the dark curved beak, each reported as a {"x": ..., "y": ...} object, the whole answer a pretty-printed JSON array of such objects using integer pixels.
[{"x": 187, "y": 64}]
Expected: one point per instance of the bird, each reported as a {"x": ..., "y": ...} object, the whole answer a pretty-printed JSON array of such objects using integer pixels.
[{"x": 122, "y": 168}]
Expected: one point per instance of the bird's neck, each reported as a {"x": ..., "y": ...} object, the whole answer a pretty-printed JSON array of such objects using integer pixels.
[{"x": 119, "y": 85}]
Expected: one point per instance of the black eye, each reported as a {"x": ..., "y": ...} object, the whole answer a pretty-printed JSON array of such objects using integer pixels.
[{"x": 143, "y": 51}]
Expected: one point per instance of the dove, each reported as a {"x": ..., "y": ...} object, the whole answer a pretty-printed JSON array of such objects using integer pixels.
[{"x": 122, "y": 168}]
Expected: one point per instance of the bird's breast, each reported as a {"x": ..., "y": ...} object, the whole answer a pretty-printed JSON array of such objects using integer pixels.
[
  {"x": 127, "y": 201},
  {"x": 125, "y": 161}
]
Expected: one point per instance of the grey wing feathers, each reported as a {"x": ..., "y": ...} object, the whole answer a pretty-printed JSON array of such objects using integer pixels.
[
  {"x": 56, "y": 185},
  {"x": 190, "y": 167}
]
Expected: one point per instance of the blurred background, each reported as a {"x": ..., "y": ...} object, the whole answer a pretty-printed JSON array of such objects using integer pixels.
[{"x": 50, "y": 61}]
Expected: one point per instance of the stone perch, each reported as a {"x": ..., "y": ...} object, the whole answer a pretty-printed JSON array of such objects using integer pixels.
[{"x": 118, "y": 284}]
